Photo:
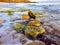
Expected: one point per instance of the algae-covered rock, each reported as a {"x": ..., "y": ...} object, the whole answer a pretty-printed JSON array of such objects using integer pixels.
[
  {"x": 10, "y": 12},
  {"x": 19, "y": 27}
]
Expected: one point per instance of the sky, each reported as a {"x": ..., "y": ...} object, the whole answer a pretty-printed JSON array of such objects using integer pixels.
[{"x": 42, "y": 0}]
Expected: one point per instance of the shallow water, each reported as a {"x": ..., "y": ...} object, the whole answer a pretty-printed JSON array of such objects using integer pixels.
[{"x": 52, "y": 12}]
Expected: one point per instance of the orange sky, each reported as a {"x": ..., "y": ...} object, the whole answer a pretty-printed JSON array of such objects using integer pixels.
[{"x": 22, "y": 1}]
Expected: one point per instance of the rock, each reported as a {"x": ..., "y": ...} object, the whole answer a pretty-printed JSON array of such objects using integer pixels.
[
  {"x": 56, "y": 26},
  {"x": 36, "y": 43}
]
